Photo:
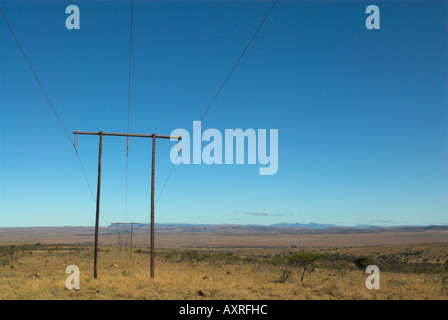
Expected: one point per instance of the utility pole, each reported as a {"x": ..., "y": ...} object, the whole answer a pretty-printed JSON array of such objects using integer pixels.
[
  {"x": 130, "y": 234},
  {"x": 97, "y": 218},
  {"x": 153, "y": 167},
  {"x": 130, "y": 244},
  {"x": 154, "y": 137},
  {"x": 118, "y": 239}
]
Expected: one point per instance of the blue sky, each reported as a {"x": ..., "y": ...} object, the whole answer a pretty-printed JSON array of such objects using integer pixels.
[{"x": 361, "y": 114}]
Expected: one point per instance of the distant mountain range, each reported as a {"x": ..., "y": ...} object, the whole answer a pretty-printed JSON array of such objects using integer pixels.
[
  {"x": 311, "y": 225},
  {"x": 232, "y": 235},
  {"x": 318, "y": 226}
]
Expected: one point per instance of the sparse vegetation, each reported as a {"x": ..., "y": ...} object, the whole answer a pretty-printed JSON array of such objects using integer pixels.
[
  {"x": 407, "y": 272},
  {"x": 363, "y": 262},
  {"x": 304, "y": 260}
]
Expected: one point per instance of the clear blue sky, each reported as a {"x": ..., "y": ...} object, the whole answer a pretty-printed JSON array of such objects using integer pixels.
[{"x": 361, "y": 114}]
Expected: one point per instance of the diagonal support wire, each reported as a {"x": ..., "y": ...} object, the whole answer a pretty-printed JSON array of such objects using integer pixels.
[
  {"x": 129, "y": 108},
  {"x": 52, "y": 107},
  {"x": 217, "y": 94}
]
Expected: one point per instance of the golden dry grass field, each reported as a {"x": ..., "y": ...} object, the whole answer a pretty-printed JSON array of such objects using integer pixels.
[{"x": 407, "y": 271}]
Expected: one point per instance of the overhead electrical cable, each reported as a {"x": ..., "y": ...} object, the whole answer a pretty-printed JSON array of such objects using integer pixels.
[
  {"x": 129, "y": 108},
  {"x": 52, "y": 107},
  {"x": 219, "y": 91}
]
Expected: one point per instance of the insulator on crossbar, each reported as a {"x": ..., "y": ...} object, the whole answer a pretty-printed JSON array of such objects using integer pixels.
[
  {"x": 127, "y": 144},
  {"x": 75, "y": 144},
  {"x": 178, "y": 150}
]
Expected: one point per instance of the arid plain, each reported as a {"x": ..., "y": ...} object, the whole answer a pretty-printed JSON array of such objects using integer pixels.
[{"x": 226, "y": 262}]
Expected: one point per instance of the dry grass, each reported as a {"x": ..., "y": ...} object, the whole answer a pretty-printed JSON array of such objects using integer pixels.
[{"x": 39, "y": 273}]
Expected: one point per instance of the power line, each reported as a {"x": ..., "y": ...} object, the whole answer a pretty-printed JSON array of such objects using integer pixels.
[
  {"x": 129, "y": 108},
  {"x": 220, "y": 89},
  {"x": 130, "y": 62},
  {"x": 51, "y": 105},
  {"x": 37, "y": 79},
  {"x": 238, "y": 61},
  {"x": 152, "y": 230}
]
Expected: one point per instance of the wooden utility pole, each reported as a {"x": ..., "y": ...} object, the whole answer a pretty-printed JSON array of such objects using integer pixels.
[
  {"x": 152, "y": 202},
  {"x": 118, "y": 239},
  {"x": 154, "y": 137},
  {"x": 130, "y": 244},
  {"x": 97, "y": 218},
  {"x": 130, "y": 236}
]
